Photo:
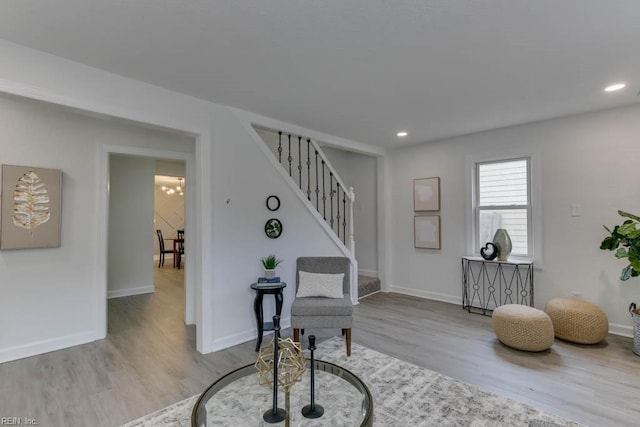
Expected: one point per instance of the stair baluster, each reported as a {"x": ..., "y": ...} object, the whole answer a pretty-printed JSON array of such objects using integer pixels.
[
  {"x": 308, "y": 170},
  {"x": 324, "y": 195},
  {"x": 289, "y": 158}
]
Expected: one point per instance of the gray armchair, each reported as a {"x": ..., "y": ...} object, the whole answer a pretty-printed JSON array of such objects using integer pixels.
[{"x": 320, "y": 312}]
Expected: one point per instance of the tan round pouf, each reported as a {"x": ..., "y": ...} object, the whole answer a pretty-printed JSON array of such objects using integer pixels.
[
  {"x": 523, "y": 327},
  {"x": 577, "y": 320}
]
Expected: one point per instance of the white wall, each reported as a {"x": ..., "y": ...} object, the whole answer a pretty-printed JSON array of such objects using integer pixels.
[
  {"x": 241, "y": 213},
  {"x": 130, "y": 268},
  {"x": 231, "y": 179},
  {"x": 359, "y": 171},
  {"x": 589, "y": 160},
  {"x": 361, "y": 176},
  {"x": 55, "y": 286}
]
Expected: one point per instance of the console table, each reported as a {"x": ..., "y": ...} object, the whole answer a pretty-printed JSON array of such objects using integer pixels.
[
  {"x": 489, "y": 284},
  {"x": 261, "y": 289}
]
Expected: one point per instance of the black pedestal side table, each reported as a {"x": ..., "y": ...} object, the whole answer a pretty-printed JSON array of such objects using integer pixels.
[{"x": 262, "y": 289}]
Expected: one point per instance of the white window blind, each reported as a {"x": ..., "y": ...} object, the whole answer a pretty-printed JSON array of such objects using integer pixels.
[{"x": 503, "y": 195}]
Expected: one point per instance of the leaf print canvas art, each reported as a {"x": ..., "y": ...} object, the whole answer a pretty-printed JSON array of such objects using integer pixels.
[{"x": 31, "y": 203}]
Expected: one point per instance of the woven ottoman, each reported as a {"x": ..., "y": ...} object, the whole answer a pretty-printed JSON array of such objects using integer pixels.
[
  {"x": 523, "y": 327},
  {"x": 577, "y": 320}
]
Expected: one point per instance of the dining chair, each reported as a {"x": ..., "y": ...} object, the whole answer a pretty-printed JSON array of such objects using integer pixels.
[
  {"x": 163, "y": 251},
  {"x": 180, "y": 250}
]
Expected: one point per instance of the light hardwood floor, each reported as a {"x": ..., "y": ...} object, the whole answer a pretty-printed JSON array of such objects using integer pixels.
[{"x": 149, "y": 361}]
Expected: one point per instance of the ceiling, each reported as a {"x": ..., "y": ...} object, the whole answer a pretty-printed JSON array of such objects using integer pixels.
[{"x": 357, "y": 69}]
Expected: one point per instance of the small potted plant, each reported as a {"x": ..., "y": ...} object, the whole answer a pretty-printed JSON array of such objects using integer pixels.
[{"x": 270, "y": 262}]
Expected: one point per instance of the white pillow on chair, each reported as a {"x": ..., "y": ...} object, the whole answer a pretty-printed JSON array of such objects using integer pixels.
[{"x": 320, "y": 285}]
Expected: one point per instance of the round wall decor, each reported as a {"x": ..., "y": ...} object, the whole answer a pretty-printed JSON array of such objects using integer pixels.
[
  {"x": 273, "y": 203},
  {"x": 273, "y": 228}
]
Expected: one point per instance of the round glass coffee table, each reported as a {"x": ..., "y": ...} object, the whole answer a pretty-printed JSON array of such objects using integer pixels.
[{"x": 238, "y": 400}]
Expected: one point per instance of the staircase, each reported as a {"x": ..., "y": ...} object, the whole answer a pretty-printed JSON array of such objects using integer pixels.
[
  {"x": 317, "y": 183},
  {"x": 307, "y": 166},
  {"x": 367, "y": 286}
]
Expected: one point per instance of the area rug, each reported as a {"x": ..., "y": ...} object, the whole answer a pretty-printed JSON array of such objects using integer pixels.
[{"x": 404, "y": 395}]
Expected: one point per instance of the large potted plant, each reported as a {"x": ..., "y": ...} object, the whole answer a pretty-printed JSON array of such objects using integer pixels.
[{"x": 625, "y": 240}]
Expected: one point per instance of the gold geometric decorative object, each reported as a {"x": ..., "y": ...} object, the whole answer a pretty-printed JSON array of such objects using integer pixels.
[
  {"x": 30, "y": 202},
  {"x": 291, "y": 364}
]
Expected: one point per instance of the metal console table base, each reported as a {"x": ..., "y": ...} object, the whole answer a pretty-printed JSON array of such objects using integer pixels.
[{"x": 487, "y": 285}]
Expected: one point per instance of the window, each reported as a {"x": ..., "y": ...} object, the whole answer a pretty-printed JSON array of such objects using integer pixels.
[{"x": 502, "y": 198}]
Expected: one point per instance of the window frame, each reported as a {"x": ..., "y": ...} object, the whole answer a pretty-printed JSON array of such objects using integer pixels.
[
  {"x": 534, "y": 222},
  {"x": 477, "y": 208}
]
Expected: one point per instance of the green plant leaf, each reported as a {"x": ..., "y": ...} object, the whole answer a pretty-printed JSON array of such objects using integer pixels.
[
  {"x": 270, "y": 262},
  {"x": 627, "y": 228},
  {"x": 609, "y": 243},
  {"x": 628, "y": 215},
  {"x": 622, "y": 253},
  {"x": 625, "y": 239}
]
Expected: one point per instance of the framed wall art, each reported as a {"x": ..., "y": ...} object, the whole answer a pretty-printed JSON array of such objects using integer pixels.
[
  {"x": 31, "y": 207},
  {"x": 273, "y": 228},
  {"x": 426, "y": 232},
  {"x": 426, "y": 194}
]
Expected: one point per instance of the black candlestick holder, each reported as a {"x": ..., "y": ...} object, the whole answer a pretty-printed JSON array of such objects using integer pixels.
[
  {"x": 276, "y": 414},
  {"x": 312, "y": 410}
]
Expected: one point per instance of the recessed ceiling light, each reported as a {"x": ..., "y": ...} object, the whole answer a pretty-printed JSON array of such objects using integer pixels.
[
  {"x": 614, "y": 87},
  {"x": 402, "y": 134}
]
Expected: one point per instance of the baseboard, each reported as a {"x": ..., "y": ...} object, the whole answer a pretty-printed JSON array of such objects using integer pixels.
[
  {"x": 614, "y": 328},
  {"x": 372, "y": 293},
  {"x": 131, "y": 291},
  {"x": 242, "y": 337},
  {"x": 622, "y": 330},
  {"x": 368, "y": 273},
  {"x": 45, "y": 346},
  {"x": 451, "y": 299},
  {"x": 166, "y": 257}
]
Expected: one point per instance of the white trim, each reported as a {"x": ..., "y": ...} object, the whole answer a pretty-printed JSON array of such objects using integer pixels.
[
  {"x": 45, "y": 346},
  {"x": 202, "y": 217},
  {"x": 368, "y": 273},
  {"x": 384, "y": 226},
  {"x": 245, "y": 336},
  {"x": 451, "y": 299},
  {"x": 621, "y": 330},
  {"x": 369, "y": 294},
  {"x": 107, "y": 110},
  {"x": 140, "y": 290},
  {"x": 104, "y": 152}
]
